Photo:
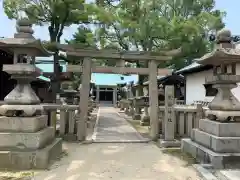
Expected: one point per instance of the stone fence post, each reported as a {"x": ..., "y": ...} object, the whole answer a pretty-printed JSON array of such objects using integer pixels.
[
  {"x": 199, "y": 115},
  {"x": 169, "y": 119}
]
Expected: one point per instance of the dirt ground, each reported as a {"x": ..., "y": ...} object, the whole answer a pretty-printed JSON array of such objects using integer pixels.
[{"x": 116, "y": 162}]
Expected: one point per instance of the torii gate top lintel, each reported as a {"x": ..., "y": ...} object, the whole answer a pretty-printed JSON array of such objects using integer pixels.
[{"x": 113, "y": 54}]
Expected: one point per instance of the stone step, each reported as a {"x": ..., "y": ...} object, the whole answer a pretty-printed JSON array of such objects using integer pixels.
[
  {"x": 22, "y": 124},
  {"x": 220, "y": 129},
  {"x": 26, "y": 141},
  {"x": 215, "y": 143},
  {"x": 38, "y": 159},
  {"x": 205, "y": 155}
]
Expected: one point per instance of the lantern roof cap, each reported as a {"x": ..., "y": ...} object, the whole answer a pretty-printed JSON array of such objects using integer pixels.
[
  {"x": 24, "y": 38},
  {"x": 225, "y": 51}
]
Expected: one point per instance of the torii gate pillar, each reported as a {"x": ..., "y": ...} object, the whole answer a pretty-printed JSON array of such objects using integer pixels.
[
  {"x": 153, "y": 99},
  {"x": 84, "y": 99}
]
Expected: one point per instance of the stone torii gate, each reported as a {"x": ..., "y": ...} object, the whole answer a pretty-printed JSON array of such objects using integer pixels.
[{"x": 87, "y": 68}]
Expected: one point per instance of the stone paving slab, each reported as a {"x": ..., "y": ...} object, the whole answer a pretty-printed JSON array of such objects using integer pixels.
[
  {"x": 112, "y": 128},
  {"x": 231, "y": 174},
  {"x": 205, "y": 173}
]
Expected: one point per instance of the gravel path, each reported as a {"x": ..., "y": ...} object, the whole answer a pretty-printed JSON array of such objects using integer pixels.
[{"x": 117, "y": 161}]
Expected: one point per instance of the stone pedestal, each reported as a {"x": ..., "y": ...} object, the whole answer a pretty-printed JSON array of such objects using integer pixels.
[
  {"x": 137, "y": 114},
  {"x": 137, "y": 111},
  {"x": 145, "y": 119},
  {"x": 144, "y": 103},
  {"x": 169, "y": 120},
  {"x": 121, "y": 103},
  {"x": 137, "y": 103},
  {"x": 217, "y": 141},
  {"x": 214, "y": 142},
  {"x": 126, "y": 111},
  {"x": 27, "y": 142},
  {"x": 131, "y": 107},
  {"x": 67, "y": 113},
  {"x": 68, "y": 122}
]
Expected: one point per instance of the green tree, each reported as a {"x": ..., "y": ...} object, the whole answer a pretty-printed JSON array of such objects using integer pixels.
[
  {"x": 84, "y": 38},
  {"x": 153, "y": 25},
  {"x": 56, "y": 14}
]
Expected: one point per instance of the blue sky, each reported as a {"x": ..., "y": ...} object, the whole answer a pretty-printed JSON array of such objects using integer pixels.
[{"x": 7, "y": 28}]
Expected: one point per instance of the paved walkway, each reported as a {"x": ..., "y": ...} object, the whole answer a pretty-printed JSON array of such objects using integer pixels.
[{"x": 110, "y": 127}]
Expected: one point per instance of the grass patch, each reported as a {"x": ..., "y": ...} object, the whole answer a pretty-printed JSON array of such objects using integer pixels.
[
  {"x": 181, "y": 155},
  {"x": 11, "y": 175},
  {"x": 143, "y": 130}
]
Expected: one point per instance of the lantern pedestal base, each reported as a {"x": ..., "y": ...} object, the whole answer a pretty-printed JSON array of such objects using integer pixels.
[{"x": 223, "y": 116}]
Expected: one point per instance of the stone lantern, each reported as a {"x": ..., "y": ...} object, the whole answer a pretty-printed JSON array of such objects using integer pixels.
[
  {"x": 130, "y": 100},
  {"x": 137, "y": 102},
  {"x": 69, "y": 94},
  {"x": 145, "y": 118},
  {"x": 217, "y": 139},
  {"x": 225, "y": 106},
  {"x": 26, "y": 141}
]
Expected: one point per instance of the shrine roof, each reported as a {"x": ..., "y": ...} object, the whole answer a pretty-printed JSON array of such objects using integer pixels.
[
  {"x": 194, "y": 67},
  {"x": 174, "y": 78},
  {"x": 112, "y": 79},
  {"x": 46, "y": 65}
]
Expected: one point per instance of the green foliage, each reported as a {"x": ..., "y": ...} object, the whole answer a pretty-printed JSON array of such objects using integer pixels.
[
  {"x": 85, "y": 38},
  {"x": 57, "y": 14},
  {"x": 82, "y": 38},
  {"x": 153, "y": 25}
]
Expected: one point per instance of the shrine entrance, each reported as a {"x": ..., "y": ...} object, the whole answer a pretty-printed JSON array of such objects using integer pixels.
[
  {"x": 106, "y": 95},
  {"x": 88, "y": 67}
]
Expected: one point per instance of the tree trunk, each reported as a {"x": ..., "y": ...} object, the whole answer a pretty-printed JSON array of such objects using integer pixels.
[{"x": 55, "y": 80}]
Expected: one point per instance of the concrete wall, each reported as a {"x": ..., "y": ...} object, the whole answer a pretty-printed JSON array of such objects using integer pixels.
[{"x": 195, "y": 91}]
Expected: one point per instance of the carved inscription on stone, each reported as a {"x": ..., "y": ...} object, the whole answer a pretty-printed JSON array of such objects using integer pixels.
[{"x": 169, "y": 113}]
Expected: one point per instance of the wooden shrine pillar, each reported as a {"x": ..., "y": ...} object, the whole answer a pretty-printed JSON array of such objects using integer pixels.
[
  {"x": 153, "y": 99},
  {"x": 84, "y": 96}
]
